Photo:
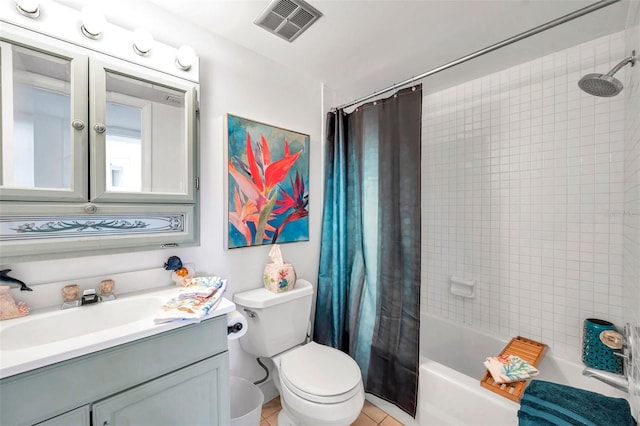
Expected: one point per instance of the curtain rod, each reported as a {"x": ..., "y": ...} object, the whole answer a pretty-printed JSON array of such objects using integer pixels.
[{"x": 533, "y": 31}]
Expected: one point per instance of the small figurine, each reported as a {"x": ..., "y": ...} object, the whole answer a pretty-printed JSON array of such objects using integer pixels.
[
  {"x": 173, "y": 263},
  {"x": 7, "y": 280},
  {"x": 181, "y": 273}
]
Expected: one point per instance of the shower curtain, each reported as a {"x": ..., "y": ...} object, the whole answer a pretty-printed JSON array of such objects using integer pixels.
[{"x": 368, "y": 298}]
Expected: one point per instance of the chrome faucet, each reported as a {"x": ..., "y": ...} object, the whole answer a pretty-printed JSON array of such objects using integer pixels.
[
  {"x": 72, "y": 298},
  {"x": 618, "y": 381},
  {"x": 88, "y": 297}
]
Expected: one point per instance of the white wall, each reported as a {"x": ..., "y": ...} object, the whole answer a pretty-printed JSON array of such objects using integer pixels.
[
  {"x": 237, "y": 81},
  {"x": 523, "y": 191}
]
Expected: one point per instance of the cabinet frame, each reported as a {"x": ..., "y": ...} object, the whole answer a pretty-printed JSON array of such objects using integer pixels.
[
  {"x": 82, "y": 234},
  {"x": 97, "y": 141}
]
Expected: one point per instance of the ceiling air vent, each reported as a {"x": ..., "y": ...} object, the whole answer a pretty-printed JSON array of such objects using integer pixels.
[{"x": 288, "y": 18}]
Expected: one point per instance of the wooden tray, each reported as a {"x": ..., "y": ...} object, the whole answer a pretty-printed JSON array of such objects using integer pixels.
[{"x": 526, "y": 349}]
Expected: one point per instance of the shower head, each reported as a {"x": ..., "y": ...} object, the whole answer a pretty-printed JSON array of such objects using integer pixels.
[
  {"x": 605, "y": 85},
  {"x": 600, "y": 85}
]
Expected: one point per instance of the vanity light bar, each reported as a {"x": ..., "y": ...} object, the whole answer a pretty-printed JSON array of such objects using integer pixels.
[{"x": 63, "y": 20}]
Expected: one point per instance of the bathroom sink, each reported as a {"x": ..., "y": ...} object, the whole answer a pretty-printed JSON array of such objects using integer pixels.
[
  {"x": 51, "y": 335},
  {"x": 50, "y": 327}
]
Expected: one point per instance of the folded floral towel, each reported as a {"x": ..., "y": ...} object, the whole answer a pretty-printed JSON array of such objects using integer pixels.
[
  {"x": 190, "y": 304},
  {"x": 509, "y": 368},
  {"x": 199, "y": 287}
]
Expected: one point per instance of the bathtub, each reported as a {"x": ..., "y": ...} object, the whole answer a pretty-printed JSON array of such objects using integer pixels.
[{"x": 450, "y": 372}]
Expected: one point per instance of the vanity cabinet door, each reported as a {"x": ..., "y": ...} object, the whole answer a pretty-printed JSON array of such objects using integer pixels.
[
  {"x": 142, "y": 135},
  {"x": 78, "y": 417},
  {"x": 195, "y": 395},
  {"x": 43, "y": 122}
]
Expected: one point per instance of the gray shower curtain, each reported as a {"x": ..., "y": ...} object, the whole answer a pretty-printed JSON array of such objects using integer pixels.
[{"x": 368, "y": 299}]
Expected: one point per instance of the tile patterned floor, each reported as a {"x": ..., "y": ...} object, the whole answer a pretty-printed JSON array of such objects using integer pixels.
[{"x": 370, "y": 415}]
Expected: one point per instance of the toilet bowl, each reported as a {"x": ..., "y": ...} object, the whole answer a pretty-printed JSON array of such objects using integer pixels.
[{"x": 318, "y": 385}]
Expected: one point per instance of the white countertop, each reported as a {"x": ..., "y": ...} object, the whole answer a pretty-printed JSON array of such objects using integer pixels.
[{"x": 15, "y": 357}]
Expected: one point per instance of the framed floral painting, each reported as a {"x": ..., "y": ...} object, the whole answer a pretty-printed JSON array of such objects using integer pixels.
[{"x": 268, "y": 181}]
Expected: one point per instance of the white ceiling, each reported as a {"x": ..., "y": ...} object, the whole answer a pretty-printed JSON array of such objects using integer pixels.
[{"x": 359, "y": 47}]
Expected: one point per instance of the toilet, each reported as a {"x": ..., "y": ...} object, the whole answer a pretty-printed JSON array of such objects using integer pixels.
[{"x": 318, "y": 385}]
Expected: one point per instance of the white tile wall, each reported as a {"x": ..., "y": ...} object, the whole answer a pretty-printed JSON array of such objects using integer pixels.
[
  {"x": 524, "y": 191},
  {"x": 631, "y": 221}
]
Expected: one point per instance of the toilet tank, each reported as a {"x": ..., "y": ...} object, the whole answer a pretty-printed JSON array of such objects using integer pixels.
[{"x": 276, "y": 321}]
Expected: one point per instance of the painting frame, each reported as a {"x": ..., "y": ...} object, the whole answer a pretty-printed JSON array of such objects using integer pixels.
[{"x": 267, "y": 183}]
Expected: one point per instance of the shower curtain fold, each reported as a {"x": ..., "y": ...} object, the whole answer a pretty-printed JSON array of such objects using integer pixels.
[{"x": 368, "y": 299}]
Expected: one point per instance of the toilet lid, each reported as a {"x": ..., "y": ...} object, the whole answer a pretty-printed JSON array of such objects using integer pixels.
[{"x": 320, "y": 373}]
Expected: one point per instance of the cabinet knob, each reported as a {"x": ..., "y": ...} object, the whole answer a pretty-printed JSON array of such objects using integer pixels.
[
  {"x": 90, "y": 208},
  {"x": 99, "y": 127},
  {"x": 78, "y": 124}
]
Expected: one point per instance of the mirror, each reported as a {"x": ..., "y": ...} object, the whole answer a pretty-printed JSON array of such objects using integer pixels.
[
  {"x": 138, "y": 112},
  {"x": 36, "y": 136}
]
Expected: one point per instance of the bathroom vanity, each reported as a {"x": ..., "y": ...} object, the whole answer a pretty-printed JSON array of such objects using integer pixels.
[{"x": 176, "y": 374}]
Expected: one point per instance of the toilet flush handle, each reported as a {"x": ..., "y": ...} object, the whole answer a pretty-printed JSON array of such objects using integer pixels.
[{"x": 250, "y": 313}]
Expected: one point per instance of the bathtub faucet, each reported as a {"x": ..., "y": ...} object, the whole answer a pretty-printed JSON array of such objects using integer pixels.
[{"x": 618, "y": 381}]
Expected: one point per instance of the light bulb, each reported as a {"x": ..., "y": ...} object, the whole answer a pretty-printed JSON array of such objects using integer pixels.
[
  {"x": 186, "y": 57},
  {"x": 30, "y": 8},
  {"x": 142, "y": 41},
  {"x": 93, "y": 22}
]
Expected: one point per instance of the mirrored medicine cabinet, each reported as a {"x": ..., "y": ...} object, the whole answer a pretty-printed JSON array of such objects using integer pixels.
[{"x": 98, "y": 155}]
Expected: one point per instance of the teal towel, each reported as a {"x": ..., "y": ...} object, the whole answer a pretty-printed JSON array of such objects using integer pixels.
[
  {"x": 525, "y": 419},
  {"x": 546, "y": 403}
]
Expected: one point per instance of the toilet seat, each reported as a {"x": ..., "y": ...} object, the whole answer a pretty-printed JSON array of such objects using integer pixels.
[{"x": 320, "y": 374}]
